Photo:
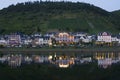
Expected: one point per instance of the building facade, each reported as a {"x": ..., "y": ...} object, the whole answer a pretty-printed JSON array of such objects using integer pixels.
[{"x": 64, "y": 37}]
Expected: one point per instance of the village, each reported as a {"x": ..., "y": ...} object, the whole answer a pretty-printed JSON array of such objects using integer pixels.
[{"x": 59, "y": 39}]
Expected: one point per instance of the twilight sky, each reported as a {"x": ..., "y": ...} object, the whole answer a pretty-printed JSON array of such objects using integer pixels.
[{"x": 109, "y": 5}]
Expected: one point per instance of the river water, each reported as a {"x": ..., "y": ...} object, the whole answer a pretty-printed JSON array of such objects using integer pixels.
[{"x": 62, "y": 60}]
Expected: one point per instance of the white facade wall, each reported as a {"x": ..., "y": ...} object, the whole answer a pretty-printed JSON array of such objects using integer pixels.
[
  {"x": 119, "y": 41},
  {"x": 3, "y": 42},
  {"x": 27, "y": 41},
  {"x": 114, "y": 39},
  {"x": 104, "y": 38},
  {"x": 87, "y": 40},
  {"x": 41, "y": 41}
]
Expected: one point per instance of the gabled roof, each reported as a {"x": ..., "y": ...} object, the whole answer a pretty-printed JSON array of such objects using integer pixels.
[
  {"x": 81, "y": 32},
  {"x": 118, "y": 36},
  {"x": 113, "y": 35},
  {"x": 104, "y": 34}
]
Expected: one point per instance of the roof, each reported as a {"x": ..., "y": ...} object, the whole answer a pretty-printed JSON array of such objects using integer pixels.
[{"x": 104, "y": 34}]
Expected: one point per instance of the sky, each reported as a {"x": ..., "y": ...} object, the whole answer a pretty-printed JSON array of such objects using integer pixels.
[{"x": 109, "y": 5}]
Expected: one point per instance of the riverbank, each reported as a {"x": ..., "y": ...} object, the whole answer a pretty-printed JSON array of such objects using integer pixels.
[{"x": 68, "y": 50}]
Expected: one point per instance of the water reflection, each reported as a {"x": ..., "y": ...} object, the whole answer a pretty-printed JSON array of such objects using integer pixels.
[
  {"x": 103, "y": 60},
  {"x": 107, "y": 59}
]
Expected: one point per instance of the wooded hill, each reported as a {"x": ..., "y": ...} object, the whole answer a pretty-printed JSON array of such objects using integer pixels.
[{"x": 38, "y": 16}]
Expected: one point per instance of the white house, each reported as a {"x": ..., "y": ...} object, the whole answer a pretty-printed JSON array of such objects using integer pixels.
[
  {"x": 64, "y": 37},
  {"x": 104, "y": 37},
  {"x": 114, "y": 38},
  {"x": 118, "y": 38},
  {"x": 50, "y": 34},
  {"x": 86, "y": 39},
  {"x": 83, "y": 37},
  {"x": 43, "y": 40},
  {"x": 27, "y": 41},
  {"x": 14, "y": 39},
  {"x": 3, "y": 42},
  {"x": 36, "y": 35},
  {"x": 47, "y": 40}
]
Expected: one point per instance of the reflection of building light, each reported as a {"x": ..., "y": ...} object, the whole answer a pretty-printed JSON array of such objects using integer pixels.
[
  {"x": 12, "y": 55},
  {"x": 105, "y": 62},
  {"x": 102, "y": 57},
  {"x": 63, "y": 65},
  {"x": 72, "y": 58},
  {"x": 12, "y": 61},
  {"x": 71, "y": 62},
  {"x": 50, "y": 57},
  {"x": 27, "y": 57},
  {"x": 37, "y": 57},
  {"x": 112, "y": 55},
  {"x": 12, "y": 39},
  {"x": 50, "y": 43},
  {"x": 97, "y": 57},
  {"x": 60, "y": 58},
  {"x": 55, "y": 55},
  {"x": 36, "y": 42}
]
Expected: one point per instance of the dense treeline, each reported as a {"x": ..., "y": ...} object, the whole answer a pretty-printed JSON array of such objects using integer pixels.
[
  {"x": 115, "y": 18},
  {"x": 54, "y": 7},
  {"x": 42, "y": 16}
]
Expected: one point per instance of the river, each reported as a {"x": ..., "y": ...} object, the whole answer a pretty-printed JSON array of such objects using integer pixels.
[{"x": 61, "y": 59}]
